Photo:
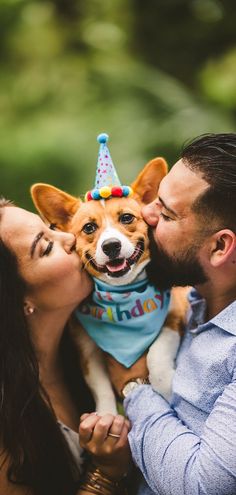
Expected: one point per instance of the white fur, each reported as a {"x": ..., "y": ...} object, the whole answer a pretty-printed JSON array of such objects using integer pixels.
[
  {"x": 127, "y": 249},
  {"x": 96, "y": 376},
  {"x": 103, "y": 203},
  {"x": 161, "y": 361}
]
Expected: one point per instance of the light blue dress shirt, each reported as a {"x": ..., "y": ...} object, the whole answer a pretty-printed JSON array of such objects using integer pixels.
[{"x": 188, "y": 447}]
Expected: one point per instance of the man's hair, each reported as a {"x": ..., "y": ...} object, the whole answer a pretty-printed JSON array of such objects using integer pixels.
[{"x": 213, "y": 156}]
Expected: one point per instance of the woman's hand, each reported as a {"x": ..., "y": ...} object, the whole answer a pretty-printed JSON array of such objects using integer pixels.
[
  {"x": 105, "y": 438},
  {"x": 120, "y": 375}
]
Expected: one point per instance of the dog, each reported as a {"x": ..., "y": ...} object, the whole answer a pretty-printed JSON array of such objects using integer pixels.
[{"x": 112, "y": 242}]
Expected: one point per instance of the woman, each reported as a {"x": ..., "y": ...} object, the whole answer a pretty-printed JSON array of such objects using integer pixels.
[{"x": 42, "y": 394}]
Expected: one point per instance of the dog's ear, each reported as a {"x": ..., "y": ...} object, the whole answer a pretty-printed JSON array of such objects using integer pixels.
[
  {"x": 56, "y": 206},
  {"x": 146, "y": 185}
]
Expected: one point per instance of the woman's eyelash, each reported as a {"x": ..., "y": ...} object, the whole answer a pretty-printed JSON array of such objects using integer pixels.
[{"x": 48, "y": 249}]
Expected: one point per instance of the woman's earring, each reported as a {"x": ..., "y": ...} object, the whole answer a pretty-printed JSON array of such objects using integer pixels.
[{"x": 28, "y": 310}]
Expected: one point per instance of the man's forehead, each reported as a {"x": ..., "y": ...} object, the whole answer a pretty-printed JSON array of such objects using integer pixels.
[{"x": 181, "y": 186}]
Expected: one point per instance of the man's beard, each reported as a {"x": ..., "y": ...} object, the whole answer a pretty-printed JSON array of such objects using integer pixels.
[{"x": 182, "y": 269}]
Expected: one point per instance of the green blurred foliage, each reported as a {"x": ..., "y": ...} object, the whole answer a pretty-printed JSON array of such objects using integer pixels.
[
  {"x": 70, "y": 69},
  {"x": 218, "y": 80}
]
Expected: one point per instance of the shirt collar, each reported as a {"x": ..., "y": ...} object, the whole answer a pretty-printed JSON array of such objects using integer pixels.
[{"x": 226, "y": 319}]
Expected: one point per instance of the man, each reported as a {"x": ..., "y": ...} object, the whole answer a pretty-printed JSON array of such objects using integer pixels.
[{"x": 188, "y": 447}]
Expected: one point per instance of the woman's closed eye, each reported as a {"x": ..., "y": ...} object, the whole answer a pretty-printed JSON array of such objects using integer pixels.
[
  {"x": 45, "y": 252},
  {"x": 49, "y": 247}
]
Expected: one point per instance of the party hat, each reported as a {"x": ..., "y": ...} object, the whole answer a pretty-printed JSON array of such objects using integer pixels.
[{"x": 107, "y": 182}]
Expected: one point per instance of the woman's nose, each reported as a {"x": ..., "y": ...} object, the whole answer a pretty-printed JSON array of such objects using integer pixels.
[
  {"x": 68, "y": 241},
  {"x": 150, "y": 214}
]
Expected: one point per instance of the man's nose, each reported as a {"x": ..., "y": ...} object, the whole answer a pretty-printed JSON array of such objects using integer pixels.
[
  {"x": 68, "y": 241},
  {"x": 150, "y": 214}
]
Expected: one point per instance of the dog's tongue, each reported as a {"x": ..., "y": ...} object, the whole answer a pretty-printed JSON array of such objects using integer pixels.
[{"x": 116, "y": 268}]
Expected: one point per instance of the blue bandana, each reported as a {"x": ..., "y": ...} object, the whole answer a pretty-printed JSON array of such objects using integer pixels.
[{"x": 124, "y": 320}]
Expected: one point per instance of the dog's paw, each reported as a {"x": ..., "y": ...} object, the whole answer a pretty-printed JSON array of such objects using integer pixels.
[
  {"x": 161, "y": 381},
  {"x": 106, "y": 406},
  {"x": 161, "y": 361}
]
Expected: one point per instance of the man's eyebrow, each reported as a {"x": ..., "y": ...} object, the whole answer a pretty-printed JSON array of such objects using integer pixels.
[
  {"x": 35, "y": 242},
  {"x": 167, "y": 207}
]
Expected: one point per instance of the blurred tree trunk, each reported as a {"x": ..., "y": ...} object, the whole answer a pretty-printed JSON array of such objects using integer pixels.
[
  {"x": 178, "y": 36},
  {"x": 68, "y": 9}
]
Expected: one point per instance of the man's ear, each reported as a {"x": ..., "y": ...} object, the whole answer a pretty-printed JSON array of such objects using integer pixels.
[
  {"x": 223, "y": 247},
  {"x": 56, "y": 206},
  {"x": 147, "y": 183}
]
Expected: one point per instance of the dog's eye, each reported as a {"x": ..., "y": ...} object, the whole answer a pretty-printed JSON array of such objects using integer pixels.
[
  {"x": 127, "y": 218},
  {"x": 52, "y": 226},
  {"x": 89, "y": 228}
]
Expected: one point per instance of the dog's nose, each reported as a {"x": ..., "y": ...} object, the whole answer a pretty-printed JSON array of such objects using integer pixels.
[{"x": 111, "y": 247}]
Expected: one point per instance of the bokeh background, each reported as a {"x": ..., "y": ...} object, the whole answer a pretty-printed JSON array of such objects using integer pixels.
[{"x": 150, "y": 73}]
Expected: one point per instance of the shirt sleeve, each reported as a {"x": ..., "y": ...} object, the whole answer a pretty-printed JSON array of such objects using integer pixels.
[{"x": 174, "y": 460}]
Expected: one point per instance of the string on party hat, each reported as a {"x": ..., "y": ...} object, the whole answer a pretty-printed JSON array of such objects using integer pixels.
[{"x": 107, "y": 182}]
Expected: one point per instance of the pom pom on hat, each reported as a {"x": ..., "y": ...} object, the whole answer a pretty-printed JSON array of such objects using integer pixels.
[
  {"x": 102, "y": 138},
  {"x": 105, "y": 192},
  {"x": 117, "y": 191}
]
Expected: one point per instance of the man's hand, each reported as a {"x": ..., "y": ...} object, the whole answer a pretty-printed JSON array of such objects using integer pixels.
[{"x": 120, "y": 375}]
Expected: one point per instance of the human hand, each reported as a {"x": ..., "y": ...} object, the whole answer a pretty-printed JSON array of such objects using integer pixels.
[
  {"x": 110, "y": 453},
  {"x": 120, "y": 375}
]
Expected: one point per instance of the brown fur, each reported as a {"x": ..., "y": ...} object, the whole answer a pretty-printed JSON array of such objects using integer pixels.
[
  {"x": 176, "y": 318},
  {"x": 93, "y": 211}
]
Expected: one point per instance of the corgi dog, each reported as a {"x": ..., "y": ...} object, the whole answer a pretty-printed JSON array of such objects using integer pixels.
[{"x": 112, "y": 242}]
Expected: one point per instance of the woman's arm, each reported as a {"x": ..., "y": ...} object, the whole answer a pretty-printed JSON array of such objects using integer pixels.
[
  {"x": 97, "y": 483},
  {"x": 105, "y": 438}
]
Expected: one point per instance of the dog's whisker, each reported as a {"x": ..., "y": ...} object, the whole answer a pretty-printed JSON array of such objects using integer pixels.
[{"x": 86, "y": 264}]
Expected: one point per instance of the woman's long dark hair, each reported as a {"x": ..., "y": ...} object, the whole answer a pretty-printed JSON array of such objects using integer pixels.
[{"x": 38, "y": 455}]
